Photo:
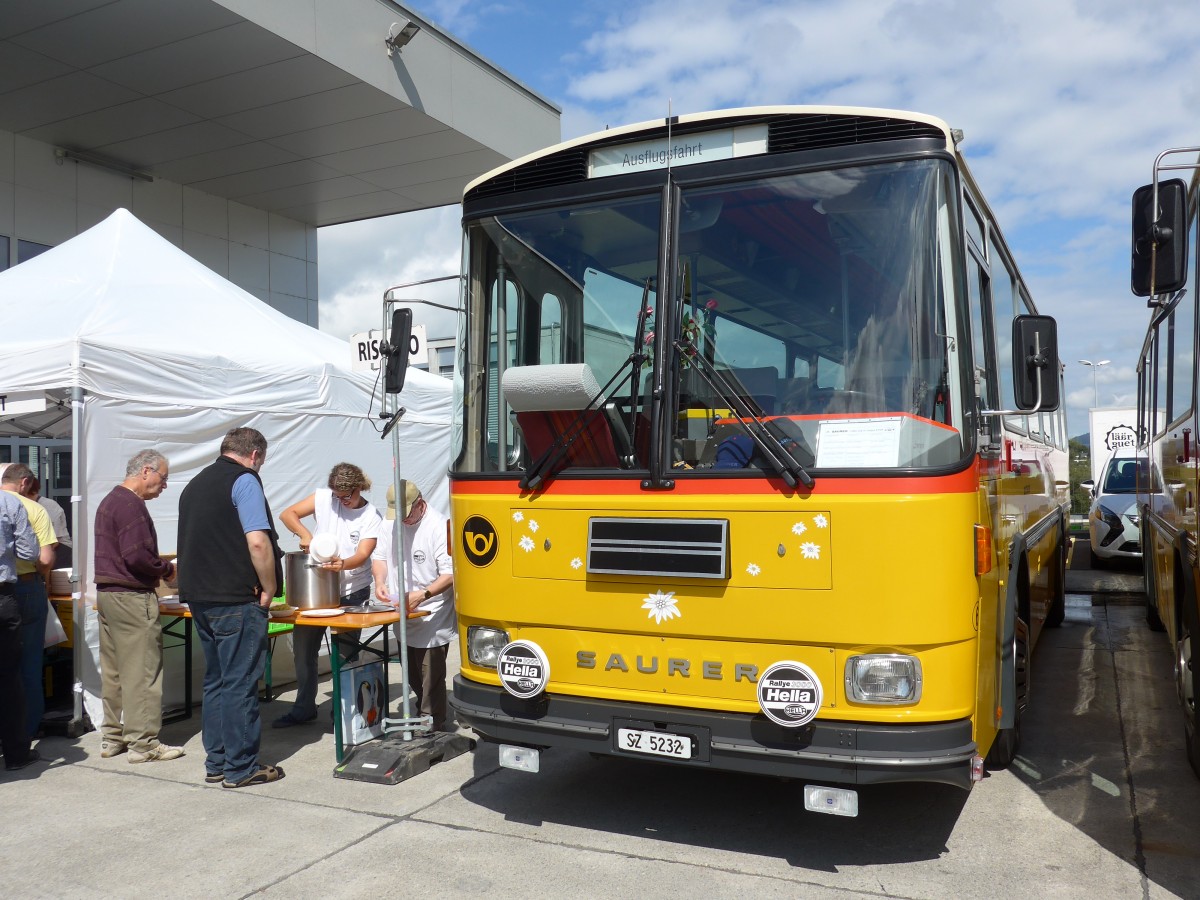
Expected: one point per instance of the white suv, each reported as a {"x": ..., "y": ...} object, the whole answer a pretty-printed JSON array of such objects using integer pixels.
[{"x": 1114, "y": 519}]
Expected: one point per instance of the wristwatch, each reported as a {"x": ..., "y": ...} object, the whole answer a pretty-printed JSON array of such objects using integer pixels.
[{"x": 427, "y": 594}]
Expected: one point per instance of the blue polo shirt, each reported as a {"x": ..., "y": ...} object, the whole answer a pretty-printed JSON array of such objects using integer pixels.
[{"x": 17, "y": 540}]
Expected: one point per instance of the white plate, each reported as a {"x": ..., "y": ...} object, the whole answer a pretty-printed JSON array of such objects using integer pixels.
[
  {"x": 323, "y": 547},
  {"x": 321, "y": 613}
]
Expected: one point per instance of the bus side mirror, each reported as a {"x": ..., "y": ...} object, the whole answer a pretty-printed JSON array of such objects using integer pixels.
[
  {"x": 395, "y": 353},
  {"x": 1035, "y": 363},
  {"x": 1160, "y": 252}
]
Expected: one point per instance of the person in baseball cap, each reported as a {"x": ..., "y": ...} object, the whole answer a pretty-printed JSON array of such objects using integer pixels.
[
  {"x": 428, "y": 596},
  {"x": 411, "y": 495}
]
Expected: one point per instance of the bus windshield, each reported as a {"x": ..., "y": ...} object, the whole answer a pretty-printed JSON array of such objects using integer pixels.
[{"x": 820, "y": 303}]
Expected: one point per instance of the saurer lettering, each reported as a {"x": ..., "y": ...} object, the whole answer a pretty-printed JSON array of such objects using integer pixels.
[{"x": 586, "y": 659}]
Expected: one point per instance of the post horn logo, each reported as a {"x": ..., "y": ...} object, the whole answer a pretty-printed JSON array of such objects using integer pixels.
[{"x": 479, "y": 541}]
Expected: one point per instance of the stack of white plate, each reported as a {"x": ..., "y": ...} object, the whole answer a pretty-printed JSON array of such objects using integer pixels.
[
  {"x": 60, "y": 582},
  {"x": 323, "y": 547}
]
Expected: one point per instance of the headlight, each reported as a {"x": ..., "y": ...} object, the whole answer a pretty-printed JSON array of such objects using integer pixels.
[
  {"x": 1116, "y": 528},
  {"x": 484, "y": 645},
  {"x": 883, "y": 678}
]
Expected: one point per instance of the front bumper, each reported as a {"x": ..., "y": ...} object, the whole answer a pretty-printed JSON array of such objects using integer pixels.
[{"x": 840, "y": 752}]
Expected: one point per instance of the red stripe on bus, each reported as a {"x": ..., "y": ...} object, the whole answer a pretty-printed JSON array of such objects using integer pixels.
[{"x": 966, "y": 481}]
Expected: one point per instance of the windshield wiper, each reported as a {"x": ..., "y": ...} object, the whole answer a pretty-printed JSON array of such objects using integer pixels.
[{"x": 772, "y": 449}]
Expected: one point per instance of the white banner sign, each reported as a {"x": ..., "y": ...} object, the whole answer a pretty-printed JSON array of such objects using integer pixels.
[
  {"x": 365, "y": 349},
  {"x": 22, "y": 402}
]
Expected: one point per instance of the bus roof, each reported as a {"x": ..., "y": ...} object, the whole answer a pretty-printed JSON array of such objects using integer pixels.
[{"x": 716, "y": 117}]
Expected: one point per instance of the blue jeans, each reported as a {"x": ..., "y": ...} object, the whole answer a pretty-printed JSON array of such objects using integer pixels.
[
  {"x": 306, "y": 644},
  {"x": 234, "y": 640},
  {"x": 31, "y": 600}
]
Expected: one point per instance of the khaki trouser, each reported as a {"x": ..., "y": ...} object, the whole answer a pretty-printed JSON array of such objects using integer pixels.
[
  {"x": 427, "y": 678},
  {"x": 130, "y": 667}
]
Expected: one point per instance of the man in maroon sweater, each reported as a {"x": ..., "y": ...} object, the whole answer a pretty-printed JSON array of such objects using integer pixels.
[{"x": 127, "y": 570}]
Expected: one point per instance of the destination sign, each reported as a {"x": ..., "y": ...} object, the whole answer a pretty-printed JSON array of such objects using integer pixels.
[{"x": 686, "y": 150}]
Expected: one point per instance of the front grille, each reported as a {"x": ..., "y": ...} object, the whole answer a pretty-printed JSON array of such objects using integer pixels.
[
  {"x": 564, "y": 167},
  {"x": 816, "y": 132},
  {"x": 664, "y": 548}
]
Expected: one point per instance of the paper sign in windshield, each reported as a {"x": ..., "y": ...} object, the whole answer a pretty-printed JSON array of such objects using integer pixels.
[{"x": 859, "y": 443}]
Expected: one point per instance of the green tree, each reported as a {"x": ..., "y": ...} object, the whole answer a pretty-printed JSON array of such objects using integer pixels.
[{"x": 1081, "y": 470}]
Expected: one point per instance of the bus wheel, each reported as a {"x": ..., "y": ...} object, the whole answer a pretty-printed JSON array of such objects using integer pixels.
[
  {"x": 1058, "y": 602},
  {"x": 1188, "y": 678},
  {"x": 1008, "y": 740}
]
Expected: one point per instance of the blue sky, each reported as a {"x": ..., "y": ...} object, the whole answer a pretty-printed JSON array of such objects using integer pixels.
[{"x": 1064, "y": 105}]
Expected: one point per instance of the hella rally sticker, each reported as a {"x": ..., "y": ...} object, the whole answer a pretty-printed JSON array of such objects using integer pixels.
[
  {"x": 523, "y": 668},
  {"x": 789, "y": 693}
]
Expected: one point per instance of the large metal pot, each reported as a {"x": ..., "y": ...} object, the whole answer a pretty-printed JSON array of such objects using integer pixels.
[{"x": 309, "y": 586}]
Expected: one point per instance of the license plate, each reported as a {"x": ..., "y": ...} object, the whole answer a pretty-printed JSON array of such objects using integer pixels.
[{"x": 656, "y": 743}]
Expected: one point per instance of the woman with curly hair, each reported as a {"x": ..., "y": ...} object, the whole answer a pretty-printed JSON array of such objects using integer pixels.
[{"x": 341, "y": 510}]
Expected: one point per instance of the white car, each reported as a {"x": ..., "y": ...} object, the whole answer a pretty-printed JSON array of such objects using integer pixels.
[{"x": 1114, "y": 519}]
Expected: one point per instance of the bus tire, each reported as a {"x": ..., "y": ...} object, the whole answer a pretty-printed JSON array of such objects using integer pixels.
[
  {"x": 1187, "y": 676},
  {"x": 1008, "y": 740},
  {"x": 1058, "y": 602}
]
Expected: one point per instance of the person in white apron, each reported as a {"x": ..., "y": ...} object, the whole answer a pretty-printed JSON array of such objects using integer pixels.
[
  {"x": 428, "y": 587},
  {"x": 340, "y": 510}
]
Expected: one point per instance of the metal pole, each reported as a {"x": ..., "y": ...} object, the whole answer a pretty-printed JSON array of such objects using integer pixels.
[
  {"x": 391, "y": 403},
  {"x": 78, "y": 642}
]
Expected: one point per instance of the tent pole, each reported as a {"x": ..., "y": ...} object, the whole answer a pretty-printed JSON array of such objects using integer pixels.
[{"x": 78, "y": 642}]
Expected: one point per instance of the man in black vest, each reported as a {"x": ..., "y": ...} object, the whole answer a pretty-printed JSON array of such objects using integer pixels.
[{"x": 229, "y": 570}]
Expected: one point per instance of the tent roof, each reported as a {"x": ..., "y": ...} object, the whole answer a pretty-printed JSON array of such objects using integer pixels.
[{"x": 121, "y": 311}]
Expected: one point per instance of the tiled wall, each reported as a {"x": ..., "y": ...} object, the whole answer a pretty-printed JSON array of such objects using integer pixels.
[{"x": 272, "y": 257}]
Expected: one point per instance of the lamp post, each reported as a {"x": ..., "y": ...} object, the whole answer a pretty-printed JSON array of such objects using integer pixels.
[{"x": 1094, "y": 366}]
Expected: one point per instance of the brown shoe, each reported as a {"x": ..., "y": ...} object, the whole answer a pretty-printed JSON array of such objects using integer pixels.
[
  {"x": 157, "y": 753},
  {"x": 264, "y": 775},
  {"x": 109, "y": 749}
]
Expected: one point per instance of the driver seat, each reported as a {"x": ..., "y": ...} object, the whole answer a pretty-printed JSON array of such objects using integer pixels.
[{"x": 548, "y": 401}]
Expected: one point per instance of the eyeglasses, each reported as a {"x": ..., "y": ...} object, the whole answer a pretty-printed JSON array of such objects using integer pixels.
[
  {"x": 161, "y": 475},
  {"x": 346, "y": 495}
]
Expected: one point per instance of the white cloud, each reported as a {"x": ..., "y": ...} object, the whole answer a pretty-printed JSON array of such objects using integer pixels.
[
  {"x": 1064, "y": 104},
  {"x": 361, "y": 260}
]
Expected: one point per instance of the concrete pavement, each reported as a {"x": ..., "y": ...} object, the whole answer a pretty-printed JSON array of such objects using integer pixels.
[{"x": 1101, "y": 805}]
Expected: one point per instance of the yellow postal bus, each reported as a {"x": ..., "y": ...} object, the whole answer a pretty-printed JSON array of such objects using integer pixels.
[
  {"x": 1165, "y": 227},
  {"x": 758, "y": 464}
]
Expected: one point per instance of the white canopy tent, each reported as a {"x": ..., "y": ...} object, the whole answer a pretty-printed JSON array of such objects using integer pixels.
[{"x": 146, "y": 347}]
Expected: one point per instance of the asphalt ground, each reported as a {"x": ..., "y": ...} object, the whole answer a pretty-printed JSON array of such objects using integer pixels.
[{"x": 1099, "y": 804}]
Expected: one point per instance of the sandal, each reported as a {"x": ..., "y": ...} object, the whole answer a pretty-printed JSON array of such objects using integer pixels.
[{"x": 264, "y": 775}]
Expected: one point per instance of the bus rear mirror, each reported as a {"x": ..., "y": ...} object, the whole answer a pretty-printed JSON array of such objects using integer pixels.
[
  {"x": 1035, "y": 363},
  {"x": 395, "y": 365},
  {"x": 1159, "y": 253}
]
